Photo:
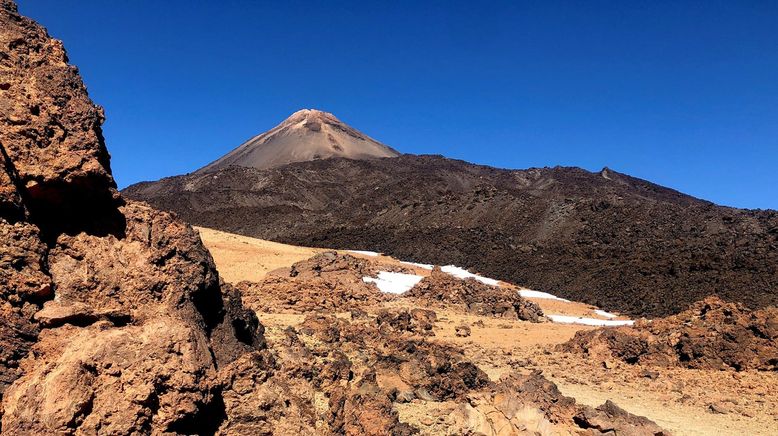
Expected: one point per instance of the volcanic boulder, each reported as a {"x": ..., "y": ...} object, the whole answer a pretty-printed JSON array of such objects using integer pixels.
[{"x": 328, "y": 281}]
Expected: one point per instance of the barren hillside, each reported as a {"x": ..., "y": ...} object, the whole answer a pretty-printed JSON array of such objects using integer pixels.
[{"x": 603, "y": 238}]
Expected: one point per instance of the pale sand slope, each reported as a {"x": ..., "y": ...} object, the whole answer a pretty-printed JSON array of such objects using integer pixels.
[
  {"x": 678, "y": 399},
  {"x": 241, "y": 258}
]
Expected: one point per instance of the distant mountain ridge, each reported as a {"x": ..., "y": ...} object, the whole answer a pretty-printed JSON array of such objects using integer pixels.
[
  {"x": 307, "y": 134},
  {"x": 604, "y": 238}
]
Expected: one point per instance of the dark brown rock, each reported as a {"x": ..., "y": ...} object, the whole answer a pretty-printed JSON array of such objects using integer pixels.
[
  {"x": 416, "y": 321},
  {"x": 462, "y": 331}
]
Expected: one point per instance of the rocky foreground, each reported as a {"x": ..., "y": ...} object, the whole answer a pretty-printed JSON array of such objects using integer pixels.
[{"x": 701, "y": 395}]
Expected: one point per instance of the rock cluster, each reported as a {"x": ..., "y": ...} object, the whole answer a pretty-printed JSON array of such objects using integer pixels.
[
  {"x": 358, "y": 378},
  {"x": 414, "y": 321},
  {"x": 711, "y": 334},
  {"x": 326, "y": 282},
  {"x": 475, "y": 297}
]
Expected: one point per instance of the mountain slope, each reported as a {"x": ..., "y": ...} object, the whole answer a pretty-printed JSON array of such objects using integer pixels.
[
  {"x": 603, "y": 238},
  {"x": 306, "y": 135}
]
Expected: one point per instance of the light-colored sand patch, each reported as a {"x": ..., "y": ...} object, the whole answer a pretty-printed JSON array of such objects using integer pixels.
[{"x": 241, "y": 258}]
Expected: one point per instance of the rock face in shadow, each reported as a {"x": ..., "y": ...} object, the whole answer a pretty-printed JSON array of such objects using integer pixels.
[
  {"x": 711, "y": 334},
  {"x": 603, "y": 238},
  {"x": 112, "y": 319}
]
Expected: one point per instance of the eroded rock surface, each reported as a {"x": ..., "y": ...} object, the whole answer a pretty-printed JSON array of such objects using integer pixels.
[{"x": 332, "y": 375}]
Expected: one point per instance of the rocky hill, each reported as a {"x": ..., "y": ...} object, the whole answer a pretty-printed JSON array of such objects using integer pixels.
[{"x": 604, "y": 238}]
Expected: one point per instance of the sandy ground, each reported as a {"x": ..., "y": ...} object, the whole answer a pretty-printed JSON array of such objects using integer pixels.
[
  {"x": 241, "y": 258},
  {"x": 686, "y": 402}
]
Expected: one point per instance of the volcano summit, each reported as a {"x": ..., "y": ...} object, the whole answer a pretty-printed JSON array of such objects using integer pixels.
[{"x": 308, "y": 134}]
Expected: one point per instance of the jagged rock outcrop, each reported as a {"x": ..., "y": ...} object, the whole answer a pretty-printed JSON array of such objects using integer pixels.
[
  {"x": 327, "y": 282},
  {"x": 711, "y": 334},
  {"x": 475, "y": 297},
  {"x": 112, "y": 319},
  {"x": 376, "y": 382}
]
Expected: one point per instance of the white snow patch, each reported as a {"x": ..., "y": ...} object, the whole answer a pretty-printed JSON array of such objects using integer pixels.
[
  {"x": 420, "y": 265},
  {"x": 529, "y": 293},
  {"x": 393, "y": 282},
  {"x": 365, "y": 253},
  {"x": 566, "y": 319},
  {"x": 465, "y": 274},
  {"x": 605, "y": 314}
]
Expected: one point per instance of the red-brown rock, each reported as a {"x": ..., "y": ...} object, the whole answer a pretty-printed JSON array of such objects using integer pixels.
[
  {"x": 474, "y": 296},
  {"x": 712, "y": 334}
]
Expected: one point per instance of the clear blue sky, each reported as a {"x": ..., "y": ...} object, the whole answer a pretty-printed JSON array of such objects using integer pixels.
[{"x": 684, "y": 94}]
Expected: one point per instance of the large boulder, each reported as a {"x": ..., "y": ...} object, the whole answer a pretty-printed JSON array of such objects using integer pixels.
[{"x": 328, "y": 281}]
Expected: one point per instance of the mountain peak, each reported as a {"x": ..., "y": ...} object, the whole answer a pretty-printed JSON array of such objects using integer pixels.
[{"x": 308, "y": 134}]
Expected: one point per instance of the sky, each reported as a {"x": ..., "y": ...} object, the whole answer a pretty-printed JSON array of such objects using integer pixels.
[{"x": 681, "y": 93}]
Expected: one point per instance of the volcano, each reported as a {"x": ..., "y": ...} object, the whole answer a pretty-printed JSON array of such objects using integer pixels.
[{"x": 307, "y": 135}]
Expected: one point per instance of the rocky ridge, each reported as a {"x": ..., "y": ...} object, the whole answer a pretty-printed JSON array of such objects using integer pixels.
[{"x": 604, "y": 238}]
